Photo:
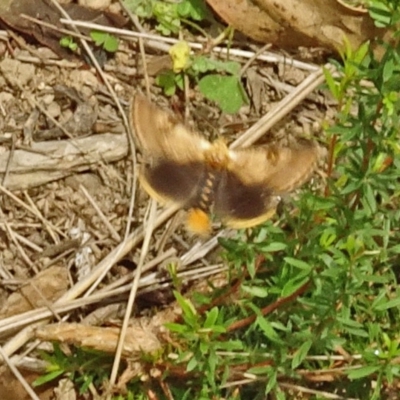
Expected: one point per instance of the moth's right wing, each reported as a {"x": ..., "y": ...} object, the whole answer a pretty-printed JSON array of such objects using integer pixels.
[{"x": 281, "y": 169}]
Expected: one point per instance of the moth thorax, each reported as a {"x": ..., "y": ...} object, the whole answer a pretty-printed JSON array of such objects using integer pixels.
[{"x": 217, "y": 156}]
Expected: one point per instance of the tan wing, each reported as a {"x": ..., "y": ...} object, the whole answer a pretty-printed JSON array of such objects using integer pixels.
[
  {"x": 236, "y": 223},
  {"x": 280, "y": 169},
  {"x": 160, "y": 135}
]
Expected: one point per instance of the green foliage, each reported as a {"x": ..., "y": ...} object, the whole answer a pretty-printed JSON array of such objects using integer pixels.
[
  {"x": 217, "y": 80},
  {"x": 226, "y": 91},
  {"x": 83, "y": 367},
  {"x": 102, "y": 39},
  {"x": 105, "y": 40},
  {"x": 324, "y": 281},
  {"x": 385, "y": 13},
  {"x": 224, "y": 87},
  {"x": 170, "y": 81},
  {"x": 169, "y": 14},
  {"x": 201, "y": 333},
  {"x": 69, "y": 43},
  {"x": 202, "y": 65}
]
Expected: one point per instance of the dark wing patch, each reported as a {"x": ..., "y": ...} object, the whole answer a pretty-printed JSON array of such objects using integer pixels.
[
  {"x": 239, "y": 204},
  {"x": 177, "y": 183}
]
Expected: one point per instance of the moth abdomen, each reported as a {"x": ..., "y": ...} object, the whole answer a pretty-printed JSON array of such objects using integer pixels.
[{"x": 206, "y": 193}]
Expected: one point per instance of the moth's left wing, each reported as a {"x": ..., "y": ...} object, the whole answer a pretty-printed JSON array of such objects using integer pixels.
[
  {"x": 247, "y": 194},
  {"x": 242, "y": 205},
  {"x": 281, "y": 169},
  {"x": 170, "y": 182}
]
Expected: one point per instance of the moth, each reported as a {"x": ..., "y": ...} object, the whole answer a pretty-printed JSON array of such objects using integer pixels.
[{"x": 241, "y": 187}]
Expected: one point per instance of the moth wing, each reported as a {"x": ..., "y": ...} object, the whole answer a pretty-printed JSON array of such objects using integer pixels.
[
  {"x": 281, "y": 169},
  {"x": 243, "y": 205},
  {"x": 160, "y": 134},
  {"x": 247, "y": 194},
  {"x": 170, "y": 182}
]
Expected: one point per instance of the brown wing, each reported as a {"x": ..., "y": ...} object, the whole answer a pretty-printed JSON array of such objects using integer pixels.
[
  {"x": 159, "y": 134},
  {"x": 173, "y": 167},
  {"x": 172, "y": 182},
  {"x": 280, "y": 169},
  {"x": 247, "y": 193},
  {"x": 242, "y": 205}
]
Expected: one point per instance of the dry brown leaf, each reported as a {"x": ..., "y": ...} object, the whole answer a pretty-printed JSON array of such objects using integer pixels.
[
  {"x": 293, "y": 23},
  {"x": 142, "y": 335},
  {"x": 12, "y": 389},
  {"x": 11, "y": 10},
  {"x": 45, "y": 288},
  {"x": 138, "y": 339}
]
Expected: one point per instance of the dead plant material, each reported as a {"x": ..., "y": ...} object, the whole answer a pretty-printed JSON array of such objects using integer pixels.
[
  {"x": 48, "y": 161},
  {"x": 42, "y": 290},
  {"x": 292, "y": 23},
  {"x": 11, "y": 13}
]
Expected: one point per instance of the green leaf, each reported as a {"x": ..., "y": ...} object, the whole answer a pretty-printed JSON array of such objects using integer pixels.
[
  {"x": 68, "y": 42},
  {"x": 272, "y": 380},
  {"x": 381, "y": 14},
  {"x": 395, "y": 249},
  {"x": 178, "y": 328},
  {"x": 362, "y": 372},
  {"x": 203, "y": 64},
  {"x": 255, "y": 291},
  {"x": 301, "y": 354},
  {"x": 212, "y": 316},
  {"x": 298, "y": 263},
  {"x": 333, "y": 85},
  {"x": 189, "y": 312},
  {"x": 111, "y": 44},
  {"x": 180, "y": 81},
  {"x": 394, "y": 303},
  {"x": 194, "y": 9},
  {"x": 388, "y": 70},
  {"x": 293, "y": 285},
  {"x": 192, "y": 364},
  {"x": 271, "y": 247},
  {"x": 167, "y": 81},
  {"x": 369, "y": 199},
  {"x": 98, "y": 37},
  {"x": 142, "y": 8},
  {"x": 226, "y": 91},
  {"x": 48, "y": 377},
  {"x": 107, "y": 41},
  {"x": 267, "y": 329},
  {"x": 259, "y": 370},
  {"x": 167, "y": 17}
]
